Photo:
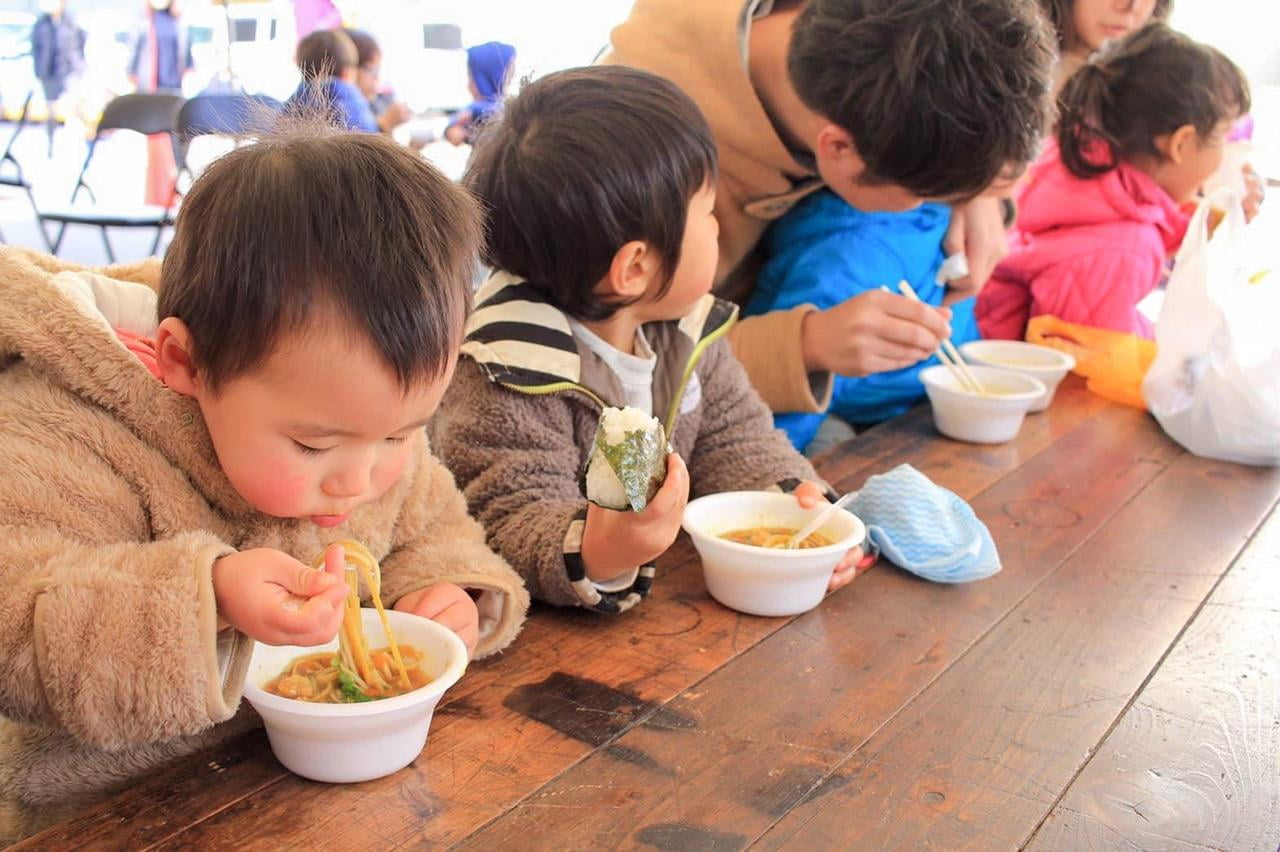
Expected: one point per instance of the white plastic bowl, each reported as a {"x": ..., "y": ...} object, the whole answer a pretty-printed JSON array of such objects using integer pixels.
[
  {"x": 343, "y": 743},
  {"x": 761, "y": 580},
  {"x": 1031, "y": 359},
  {"x": 967, "y": 416}
]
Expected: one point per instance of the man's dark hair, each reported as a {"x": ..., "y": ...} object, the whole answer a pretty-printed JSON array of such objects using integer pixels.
[
  {"x": 941, "y": 96},
  {"x": 581, "y": 163},
  {"x": 1144, "y": 86},
  {"x": 313, "y": 221},
  {"x": 325, "y": 53},
  {"x": 1062, "y": 17}
]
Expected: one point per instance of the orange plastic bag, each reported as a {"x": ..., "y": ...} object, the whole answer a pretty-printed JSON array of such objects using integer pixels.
[{"x": 1113, "y": 363}]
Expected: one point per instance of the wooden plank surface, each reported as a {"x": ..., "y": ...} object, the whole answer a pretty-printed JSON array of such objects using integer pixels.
[
  {"x": 981, "y": 755},
  {"x": 484, "y": 744},
  {"x": 1196, "y": 760},
  {"x": 760, "y": 734},
  {"x": 684, "y": 725},
  {"x": 494, "y": 742}
]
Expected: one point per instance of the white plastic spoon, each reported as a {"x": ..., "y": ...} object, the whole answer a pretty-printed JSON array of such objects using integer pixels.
[{"x": 816, "y": 524}]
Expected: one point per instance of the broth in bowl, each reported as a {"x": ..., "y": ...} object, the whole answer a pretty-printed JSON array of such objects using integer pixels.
[{"x": 776, "y": 537}]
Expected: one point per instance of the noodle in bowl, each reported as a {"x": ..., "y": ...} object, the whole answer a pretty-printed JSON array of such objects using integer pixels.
[{"x": 340, "y": 743}]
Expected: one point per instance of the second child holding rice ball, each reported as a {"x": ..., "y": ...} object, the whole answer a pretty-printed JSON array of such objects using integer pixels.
[{"x": 599, "y": 185}]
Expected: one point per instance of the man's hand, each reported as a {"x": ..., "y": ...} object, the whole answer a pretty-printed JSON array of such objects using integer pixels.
[{"x": 873, "y": 332}]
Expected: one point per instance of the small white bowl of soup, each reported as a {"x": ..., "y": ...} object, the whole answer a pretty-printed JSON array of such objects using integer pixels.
[
  {"x": 993, "y": 417},
  {"x": 348, "y": 742},
  {"x": 767, "y": 580},
  {"x": 1031, "y": 359}
]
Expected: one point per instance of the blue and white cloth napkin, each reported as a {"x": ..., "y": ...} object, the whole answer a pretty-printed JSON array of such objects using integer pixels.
[{"x": 925, "y": 528}]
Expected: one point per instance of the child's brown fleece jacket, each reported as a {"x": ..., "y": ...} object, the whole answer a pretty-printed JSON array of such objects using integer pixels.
[{"x": 519, "y": 421}]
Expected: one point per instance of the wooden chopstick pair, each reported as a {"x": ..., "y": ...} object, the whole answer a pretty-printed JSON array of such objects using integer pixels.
[{"x": 948, "y": 354}]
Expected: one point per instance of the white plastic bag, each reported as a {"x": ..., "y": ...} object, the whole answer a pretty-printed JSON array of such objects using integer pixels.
[{"x": 1215, "y": 383}]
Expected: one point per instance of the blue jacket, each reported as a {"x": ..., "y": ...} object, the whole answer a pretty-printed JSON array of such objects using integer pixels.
[
  {"x": 823, "y": 253},
  {"x": 348, "y": 108}
]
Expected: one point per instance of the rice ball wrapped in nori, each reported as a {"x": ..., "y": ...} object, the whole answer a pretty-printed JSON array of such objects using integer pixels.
[{"x": 628, "y": 460}]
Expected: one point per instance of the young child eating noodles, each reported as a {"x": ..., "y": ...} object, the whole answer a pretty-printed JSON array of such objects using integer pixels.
[{"x": 173, "y": 459}]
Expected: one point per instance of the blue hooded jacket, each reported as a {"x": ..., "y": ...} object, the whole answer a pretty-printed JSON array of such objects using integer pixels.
[
  {"x": 488, "y": 64},
  {"x": 823, "y": 253}
]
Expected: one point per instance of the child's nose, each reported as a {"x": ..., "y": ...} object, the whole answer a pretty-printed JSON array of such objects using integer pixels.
[{"x": 346, "y": 483}]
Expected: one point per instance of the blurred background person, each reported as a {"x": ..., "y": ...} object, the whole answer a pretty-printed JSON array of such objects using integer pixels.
[
  {"x": 327, "y": 61},
  {"x": 161, "y": 58},
  {"x": 389, "y": 112},
  {"x": 161, "y": 53},
  {"x": 57, "y": 52},
  {"x": 488, "y": 71}
]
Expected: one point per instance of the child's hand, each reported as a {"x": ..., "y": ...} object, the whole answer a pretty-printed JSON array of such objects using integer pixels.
[
  {"x": 393, "y": 116},
  {"x": 845, "y": 572},
  {"x": 873, "y": 332},
  {"x": 457, "y": 131},
  {"x": 448, "y": 605},
  {"x": 273, "y": 598},
  {"x": 977, "y": 230},
  {"x": 615, "y": 542},
  {"x": 811, "y": 494},
  {"x": 1254, "y": 193}
]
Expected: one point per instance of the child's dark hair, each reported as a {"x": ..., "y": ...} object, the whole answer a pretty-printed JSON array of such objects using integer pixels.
[
  {"x": 325, "y": 53},
  {"x": 1144, "y": 86},
  {"x": 1061, "y": 15},
  {"x": 367, "y": 48},
  {"x": 310, "y": 220},
  {"x": 581, "y": 163},
  {"x": 941, "y": 96}
]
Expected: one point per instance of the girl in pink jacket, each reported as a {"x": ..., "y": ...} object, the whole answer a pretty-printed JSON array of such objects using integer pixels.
[{"x": 1141, "y": 127}]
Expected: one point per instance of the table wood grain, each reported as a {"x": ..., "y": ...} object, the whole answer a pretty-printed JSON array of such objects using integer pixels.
[{"x": 1115, "y": 685}]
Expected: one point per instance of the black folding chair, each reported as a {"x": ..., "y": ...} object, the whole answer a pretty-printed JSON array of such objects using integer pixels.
[
  {"x": 237, "y": 116},
  {"x": 142, "y": 113},
  {"x": 14, "y": 177}
]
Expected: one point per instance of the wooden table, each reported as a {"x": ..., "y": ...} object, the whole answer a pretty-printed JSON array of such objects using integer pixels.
[{"x": 1118, "y": 683}]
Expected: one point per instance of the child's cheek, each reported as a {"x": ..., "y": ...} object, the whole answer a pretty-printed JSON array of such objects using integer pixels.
[
  {"x": 278, "y": 488},
  {"x": 390, "y": 469}
]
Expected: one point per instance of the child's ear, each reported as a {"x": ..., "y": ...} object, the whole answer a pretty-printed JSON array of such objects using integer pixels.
[
  {"x": 1178, "y": 145},
  {"x": 173, "y": 356},
  {"x": 631, "y": 273}
]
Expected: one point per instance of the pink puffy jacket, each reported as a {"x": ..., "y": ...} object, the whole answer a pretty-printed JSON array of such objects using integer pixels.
[{"x": 1086, "y": 251}]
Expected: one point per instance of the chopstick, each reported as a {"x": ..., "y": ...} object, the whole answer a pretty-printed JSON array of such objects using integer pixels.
[{"x": 948, "y": 354}]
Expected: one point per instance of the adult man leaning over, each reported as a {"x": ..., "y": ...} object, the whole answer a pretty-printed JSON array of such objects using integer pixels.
[{"x": 790, "y": 88}]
